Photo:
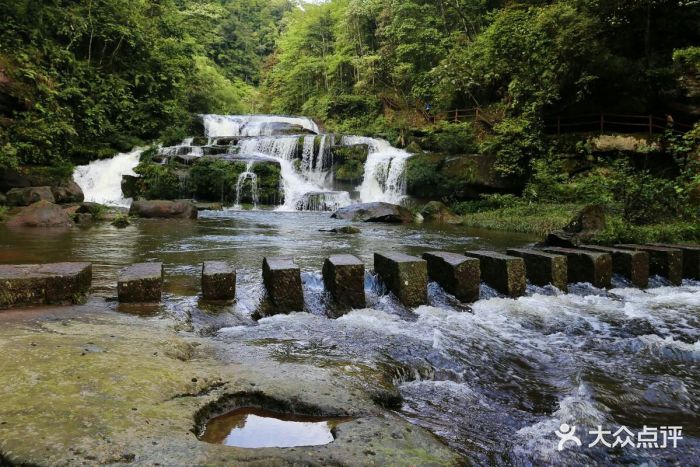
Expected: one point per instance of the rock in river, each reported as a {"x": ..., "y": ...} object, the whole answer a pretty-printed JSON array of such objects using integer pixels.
[
  {"x": 180, "y": 209},
  {"x": 436, "y": 211},
  {"x": 29, "y": 195},
  {"x": 41, "y": 214},
  {"x": 375, "y": 212},
  {"x": 68, "y": 193}
]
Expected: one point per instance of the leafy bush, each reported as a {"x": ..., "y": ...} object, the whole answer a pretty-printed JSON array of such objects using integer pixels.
[
  {"x": 159, "y": 181},
  {"x": 515, "y": 142},
  {"x": 451, "y": 138}
]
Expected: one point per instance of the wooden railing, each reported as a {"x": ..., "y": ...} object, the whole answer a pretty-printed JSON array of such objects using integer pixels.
[
  {"x": 600, "y": 122},
  {"x": 614, "y": 123}
]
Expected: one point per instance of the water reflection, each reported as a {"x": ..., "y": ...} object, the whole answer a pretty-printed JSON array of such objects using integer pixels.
[{"x": 257, "y": 428}]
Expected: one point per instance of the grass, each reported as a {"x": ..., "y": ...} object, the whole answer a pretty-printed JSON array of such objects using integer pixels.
[
  {"x": 3, "y": 213},
  {"x": 540, "y": 219},
  {"x": 525, "y": 218}
]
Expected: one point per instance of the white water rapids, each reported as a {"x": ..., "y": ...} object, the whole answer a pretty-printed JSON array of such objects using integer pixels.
[
  {"x": 101, "y": 180},
  {"x": 305, "y": 159}
]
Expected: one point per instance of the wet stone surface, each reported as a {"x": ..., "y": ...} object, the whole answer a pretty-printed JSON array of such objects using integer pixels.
[
  {"x": 502, "y": 272},
  {"x": 406, "y": 276},
  {"x": 44, "y": 284},
  {"x": 587, "y": 266},
  {"x": 344, "y": 278},
  {"x": 543, "y": 268},
  {"x": 457, "y": 274},
  {"x": 283, "y": 283},
  {"x": 664, "y": 262},
  {"x": 218, "y": 281},
  {"x": 633, "y": 265},
  {"x": 140, "y": 283}
]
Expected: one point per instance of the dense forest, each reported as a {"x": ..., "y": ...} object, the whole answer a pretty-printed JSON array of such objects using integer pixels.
[{"x": 80, "y": 80}]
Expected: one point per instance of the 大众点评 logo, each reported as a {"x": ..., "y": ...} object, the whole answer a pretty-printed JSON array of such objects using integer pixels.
[{"x": 648, "y": 438}]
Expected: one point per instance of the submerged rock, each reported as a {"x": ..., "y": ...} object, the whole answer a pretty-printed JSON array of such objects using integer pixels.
[
  {"x": 164, "y": 209},
  {"x": 348, "y": 229},
  {"x": 375, "y": 212},
  {"x": 41, "y": 214},
  {"x": 29, "y": 195}
]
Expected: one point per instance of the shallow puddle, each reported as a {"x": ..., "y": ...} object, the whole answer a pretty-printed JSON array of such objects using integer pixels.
[{"x": 258, "y": 428}]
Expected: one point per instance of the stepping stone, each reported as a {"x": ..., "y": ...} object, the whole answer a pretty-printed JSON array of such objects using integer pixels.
[
  {"x": 457, "y": 274},
  {"x": 282, "y": 280},
  {"x": 663, "y": 261},
  {"x": 691, "y": 259},
  {"x": 140, "y": 283},
  {"x": 504, "y": 273},
  {"x": 543, "y": 268},
  {"x": 587, "y": 266},
  {"x": 344, "y": 278},
  {"x": 218, "y": 281},
  {"x": 632, "y": 264},
  {"x": 406, "y": 276},
  {"x": 44, "y": 284}
]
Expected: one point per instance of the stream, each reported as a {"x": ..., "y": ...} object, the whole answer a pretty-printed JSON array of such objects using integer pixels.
[{"x": 494, "y": 380}]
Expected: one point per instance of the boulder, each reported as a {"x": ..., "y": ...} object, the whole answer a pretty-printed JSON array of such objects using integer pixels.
[
  {"x": 29, "y": 195},
  {"x": 13, "y": 179},
  {"x": 375, "y": 212},
  {"x": 130, "y": 187},
  {"x": 41, "y": 214},
  {"x": 436, "y": 211},
  {"x": 588, "y": 222},
  {"x": 179, "y": 209},
  {"x": 68, "y": 193}
]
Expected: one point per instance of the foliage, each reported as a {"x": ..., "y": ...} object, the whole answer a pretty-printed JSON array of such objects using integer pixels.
[
  {"x": 83, "y": 79},
  {"x": 522, "y": 217},
  {"x": 159, "y": 181},
  {"x": 451, "y": 138},
  {"x": 427, "y": 177}
]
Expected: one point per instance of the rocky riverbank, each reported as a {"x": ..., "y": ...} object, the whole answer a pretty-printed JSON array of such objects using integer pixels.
[{"x": 87, "y": 385}]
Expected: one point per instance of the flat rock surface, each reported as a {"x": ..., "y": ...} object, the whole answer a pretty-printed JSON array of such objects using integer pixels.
[
  {"x": 141, "y": 271},
  {"x": 12, "y": 271},
  {"x": 95, "y": 387},
  {"x": 375, "y": 212}
]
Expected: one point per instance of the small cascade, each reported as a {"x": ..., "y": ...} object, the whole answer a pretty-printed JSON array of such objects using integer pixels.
[
  {"x": 256, "y": 125},
  {"x": 101, "y": 180},
  {"x": 323, "y": 201},
  {"x": 242, "y": 178},
  {"x": 385, "y": 170},
  {"x": 185, "y": 151}
]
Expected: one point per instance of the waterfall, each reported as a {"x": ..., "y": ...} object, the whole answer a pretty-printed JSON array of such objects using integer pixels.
[
  {"x": 101, "y": 180},
  {"x": 385, "y": 170},
  {"x": 254, "y": 125},
  {"x": 254, "y": 194},
  {"x": 185, "y": 150},
  {"x": 283, "y": 149}
]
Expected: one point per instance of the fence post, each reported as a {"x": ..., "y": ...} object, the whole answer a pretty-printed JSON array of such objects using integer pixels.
[
  {"x": 476, "y": 117},
  {"x": 651, "y": 125},
  {"x": 456, "y": 115},
  {"x": 602, "y": 123}
]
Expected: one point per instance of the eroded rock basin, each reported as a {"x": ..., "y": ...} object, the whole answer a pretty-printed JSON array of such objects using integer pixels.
[{"x": 252, "y": 427}]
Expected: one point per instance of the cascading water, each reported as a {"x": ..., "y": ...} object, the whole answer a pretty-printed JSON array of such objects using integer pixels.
[
  {"x": 242, "y": 178},
  {"x": 385, "y": 170},
  {"x": 305, "y": 159},
  {"x": 254, "y": 125},
  {"x": 186, "y": 151},
  {"x": 101, "y": 180}
]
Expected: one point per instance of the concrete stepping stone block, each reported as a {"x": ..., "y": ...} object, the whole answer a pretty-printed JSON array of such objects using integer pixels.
[
  {"x": 631, "y": 264},
  {"x": 282, "y": 280},
  {"x": 691, "y": 259},
  {"x": 663, "y": 261},
  {"x": 140, "y": 283},
  {"x": 344, "y": 278},
  {"x": 543, "y": 268},
  {"x": 587, "y": 266},
  {"x": 457, "y": 274},
  {"x": 218, "y": 281},
  {"x": 504, "y": 273},
  {"x": 405, "y": 276},
  {"x": 44, "y": 284}
]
